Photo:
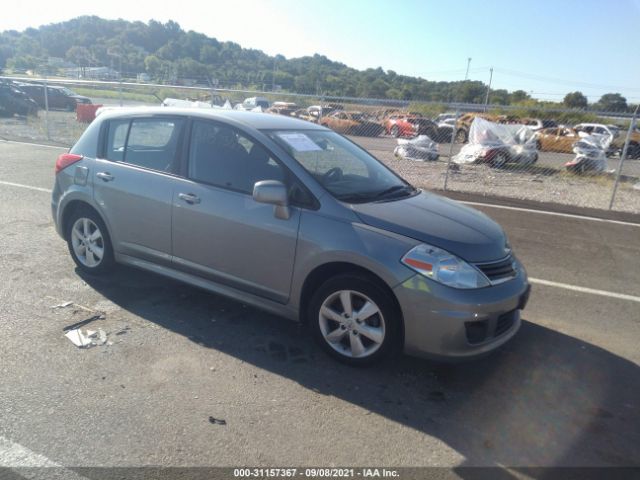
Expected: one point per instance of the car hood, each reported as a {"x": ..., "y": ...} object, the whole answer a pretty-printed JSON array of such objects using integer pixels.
[{"x": 441, "y": 222}]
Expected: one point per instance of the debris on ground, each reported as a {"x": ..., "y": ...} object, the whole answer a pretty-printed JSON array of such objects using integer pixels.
[
  {"x": 217, "y": 421},
  {"x": 124, "y": 331},
  {"x": 82, "y": 323},
  {"x": 88, "y": 338},
  {"x": 62, "y": 305}
]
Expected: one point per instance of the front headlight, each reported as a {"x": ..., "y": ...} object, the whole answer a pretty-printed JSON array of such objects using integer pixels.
[{"x": 444, "y": 267}]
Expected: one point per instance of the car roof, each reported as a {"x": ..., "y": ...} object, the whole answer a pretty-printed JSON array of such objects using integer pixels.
[{"x": 255, "y": 120}]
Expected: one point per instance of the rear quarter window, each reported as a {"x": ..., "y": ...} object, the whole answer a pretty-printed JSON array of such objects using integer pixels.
[{"x": 87, "y": 144}]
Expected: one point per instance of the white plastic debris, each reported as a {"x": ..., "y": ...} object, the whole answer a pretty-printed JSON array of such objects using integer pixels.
[
  {"x": 62, "y": 305},
  {"x": 227, "y": 105},
  {"x": 88, "y": 338},
  {"x": 176, "y": 102},
  {"x": 420, "y": 148}
]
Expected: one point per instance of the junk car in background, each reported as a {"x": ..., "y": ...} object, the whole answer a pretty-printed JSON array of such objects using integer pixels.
[
  {"x": 352, "y": 123},
  {"x": 14, "y": 101},
  {"x": 420, "y": 148},
  {"x": 58, "y": 98},
  {"x": 591, "y": 154},
  {"x": 497, "y": 144}
]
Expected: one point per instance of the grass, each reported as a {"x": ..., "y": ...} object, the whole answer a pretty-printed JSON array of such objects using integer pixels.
[{"x": 115, "y": 94}]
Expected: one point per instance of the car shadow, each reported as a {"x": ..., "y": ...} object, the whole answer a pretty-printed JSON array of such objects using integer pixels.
[{"x": 545, "y": 399}]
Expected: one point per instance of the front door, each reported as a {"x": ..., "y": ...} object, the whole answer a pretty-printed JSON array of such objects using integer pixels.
[{"x": 219, "y": 230}]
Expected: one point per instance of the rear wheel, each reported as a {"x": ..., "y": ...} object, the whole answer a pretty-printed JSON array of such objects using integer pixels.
[
  {"x": 354, "y": 319},
  {"x": 89, "y": 242}
]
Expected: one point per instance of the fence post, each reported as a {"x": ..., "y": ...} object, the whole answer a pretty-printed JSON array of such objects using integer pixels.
[
  {"x": 46, "y": 107},
  {"x": 453, "y": 141},
  {"x": 623, "y": 156}
]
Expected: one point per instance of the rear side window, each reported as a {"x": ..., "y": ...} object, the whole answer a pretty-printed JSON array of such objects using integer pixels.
[{"x": 145, "y": 142}]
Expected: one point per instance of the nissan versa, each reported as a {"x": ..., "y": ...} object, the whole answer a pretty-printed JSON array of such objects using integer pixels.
[{"x": 293, "y": 218}]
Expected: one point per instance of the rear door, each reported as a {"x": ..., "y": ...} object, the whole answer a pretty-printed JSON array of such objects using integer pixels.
[
  {"x": 134, "y": 181},
  {"x": 219, "y": 231}
]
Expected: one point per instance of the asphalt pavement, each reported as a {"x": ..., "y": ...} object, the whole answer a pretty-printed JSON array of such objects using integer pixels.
[{"x": 564, "y": 392}]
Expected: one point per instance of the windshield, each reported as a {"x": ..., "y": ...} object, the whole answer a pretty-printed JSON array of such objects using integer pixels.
[{"x": 348, "y": 172}]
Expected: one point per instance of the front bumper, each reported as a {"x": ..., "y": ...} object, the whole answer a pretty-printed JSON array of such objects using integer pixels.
[{"x": 452, "y": 324}]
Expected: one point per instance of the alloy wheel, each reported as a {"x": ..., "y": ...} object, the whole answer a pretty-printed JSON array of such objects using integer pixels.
[
  {"x": 87, "y": 242},
  {"x": 352, "y": 324}
]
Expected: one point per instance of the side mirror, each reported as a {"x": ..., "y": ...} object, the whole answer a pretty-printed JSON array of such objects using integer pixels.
[{"x": 273, "y": 193}]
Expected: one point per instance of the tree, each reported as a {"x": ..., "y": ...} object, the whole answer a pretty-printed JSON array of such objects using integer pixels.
[
  {"x": 80, "y": 56},
  {"x": 612, "y": 102},
  {"x": 575, "y": 100},
  {"x": 519, "y": 96}
]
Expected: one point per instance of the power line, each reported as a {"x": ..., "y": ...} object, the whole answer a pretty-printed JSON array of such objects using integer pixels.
[{"x": 530, "y": 76}]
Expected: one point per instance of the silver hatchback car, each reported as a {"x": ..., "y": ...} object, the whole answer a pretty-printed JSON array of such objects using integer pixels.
[{"x": 290, "y": 217}]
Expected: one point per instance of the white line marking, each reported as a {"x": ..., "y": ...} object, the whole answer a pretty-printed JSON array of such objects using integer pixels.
[
  {"x": 546, "y": 212},
  {"x": 592, "y": 291},
  {"x": 30, "y": 187},
  {"x": 28, "y": 463},
  {"x": 34, "y": 144}
]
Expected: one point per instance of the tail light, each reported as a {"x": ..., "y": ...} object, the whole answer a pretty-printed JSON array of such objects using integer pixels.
[{"x": 65, "y": 160}]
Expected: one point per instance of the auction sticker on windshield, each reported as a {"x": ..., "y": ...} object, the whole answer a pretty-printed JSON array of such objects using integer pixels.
[{"x": 300, "y": 142}]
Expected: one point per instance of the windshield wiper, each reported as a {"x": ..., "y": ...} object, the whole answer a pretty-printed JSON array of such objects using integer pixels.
[
  {"x": 392, "y": 191},
  {"x": 388, "y": 193}
]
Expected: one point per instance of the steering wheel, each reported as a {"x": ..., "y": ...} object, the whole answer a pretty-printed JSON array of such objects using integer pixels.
[{"x": 332, "y": 175}]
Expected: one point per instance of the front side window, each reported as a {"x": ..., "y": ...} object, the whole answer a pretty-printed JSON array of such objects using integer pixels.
[
  {"x": 222, "y": 156},
  {"x": 348, "y": 172},
  {"x": 145, "y": 142}
]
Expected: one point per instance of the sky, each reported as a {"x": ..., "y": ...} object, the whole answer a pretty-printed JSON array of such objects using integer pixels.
[{"x": 547, "y": 47}]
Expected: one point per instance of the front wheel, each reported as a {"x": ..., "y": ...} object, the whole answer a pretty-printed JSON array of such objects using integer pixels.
[
  {"x": 499, "y": 160},
  {"x": 354, "y": 319},
  {"x": 89, "y": 242},
  {"x": 461, "y": 136}
]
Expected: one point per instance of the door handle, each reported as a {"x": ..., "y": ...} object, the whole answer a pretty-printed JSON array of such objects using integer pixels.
[
  {"x": 105, "y": 176},
  {"x": 190, "y": 198}
]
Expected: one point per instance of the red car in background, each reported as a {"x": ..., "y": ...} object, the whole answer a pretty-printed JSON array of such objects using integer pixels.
[{"x": 409, "y": 125}]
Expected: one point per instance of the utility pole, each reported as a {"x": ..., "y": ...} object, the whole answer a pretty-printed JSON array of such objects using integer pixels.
[
  {"x": 273, "y": 76},
  {"x": 486, "y": 98},
  {"x": 466, "y": 75}
]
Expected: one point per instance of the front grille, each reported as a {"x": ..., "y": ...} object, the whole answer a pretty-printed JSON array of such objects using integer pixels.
[
  {"x": 498, "y": 271},
  {"x": 505, "y": 322}
]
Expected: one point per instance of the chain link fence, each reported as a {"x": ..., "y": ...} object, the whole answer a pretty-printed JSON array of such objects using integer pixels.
[{"x": 559, "y": 156}]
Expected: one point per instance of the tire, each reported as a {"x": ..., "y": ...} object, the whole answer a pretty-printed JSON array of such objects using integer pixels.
[
  {"x": 461, "y": 136},
  {"x": 633, "y": 151},
  {"x": 499, "y": 160},
  {"x": 395, "y": 131},
  {"x": 81, "y": 237},
  {"x": 340, "y": 334},
  {"x": 538, "y": 145}
]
